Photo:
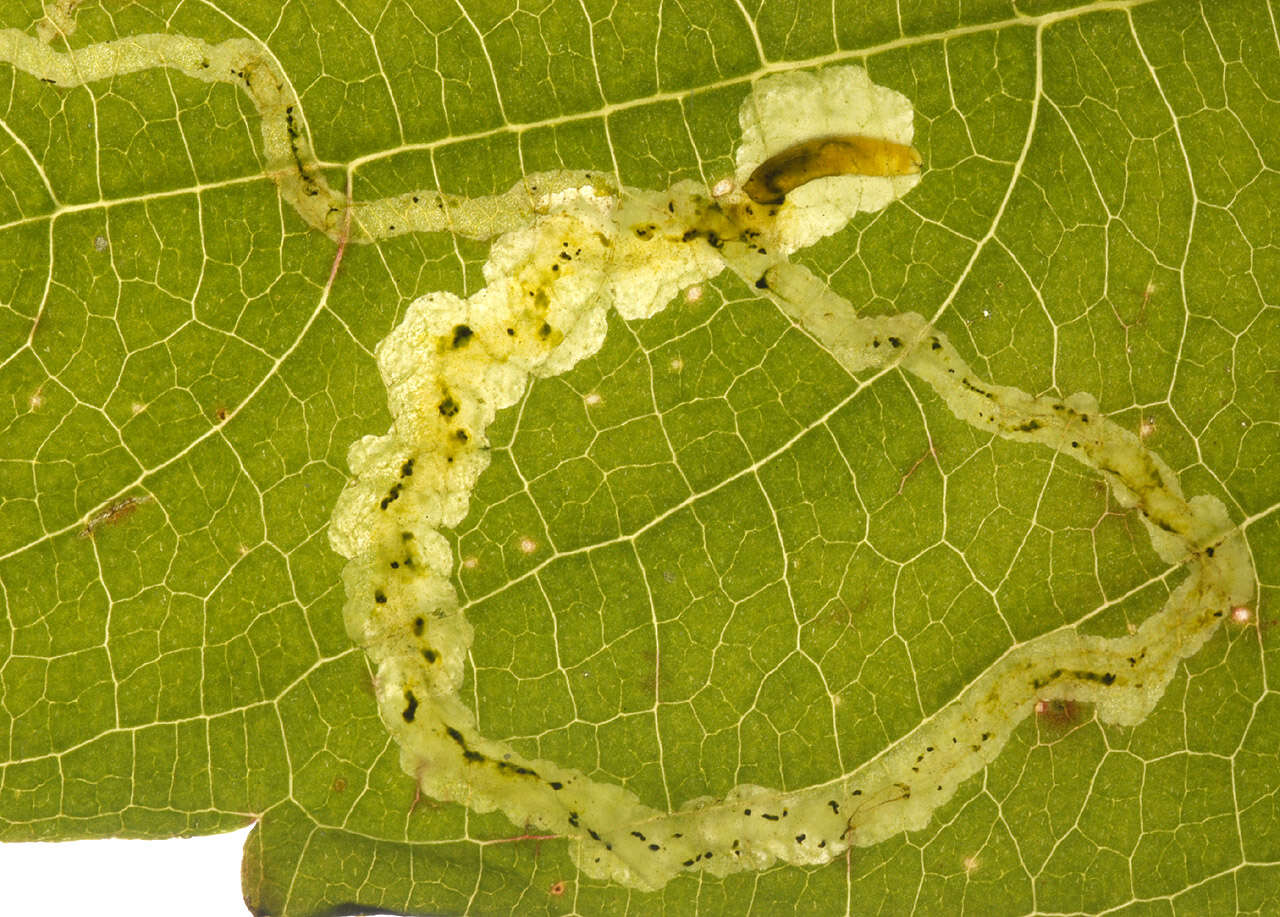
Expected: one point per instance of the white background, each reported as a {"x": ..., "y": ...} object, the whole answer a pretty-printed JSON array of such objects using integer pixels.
[{"x": 184, "y": 877}]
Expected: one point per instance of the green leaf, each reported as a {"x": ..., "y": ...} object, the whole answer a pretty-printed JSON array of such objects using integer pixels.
[{"x": 706, "y": 555}]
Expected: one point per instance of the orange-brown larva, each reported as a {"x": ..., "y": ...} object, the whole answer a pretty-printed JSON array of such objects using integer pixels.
[
  {"x": 824, "y": 157},
  {"x": 1059, "y": 715}
]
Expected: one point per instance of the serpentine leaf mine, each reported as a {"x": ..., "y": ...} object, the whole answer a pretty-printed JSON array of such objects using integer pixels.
[
  {"x": 816, "y": 148},
  {"x": 453, "y": 363}
]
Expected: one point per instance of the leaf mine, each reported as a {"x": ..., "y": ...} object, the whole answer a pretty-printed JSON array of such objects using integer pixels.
[{"x": 549, "y": 285}]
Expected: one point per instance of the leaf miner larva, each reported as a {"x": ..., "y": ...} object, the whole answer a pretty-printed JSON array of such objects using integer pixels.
[{"x": 823, "y": 157}]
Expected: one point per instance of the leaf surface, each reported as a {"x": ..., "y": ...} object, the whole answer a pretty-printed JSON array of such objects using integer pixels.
[{"x": 747, "y": 565}]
